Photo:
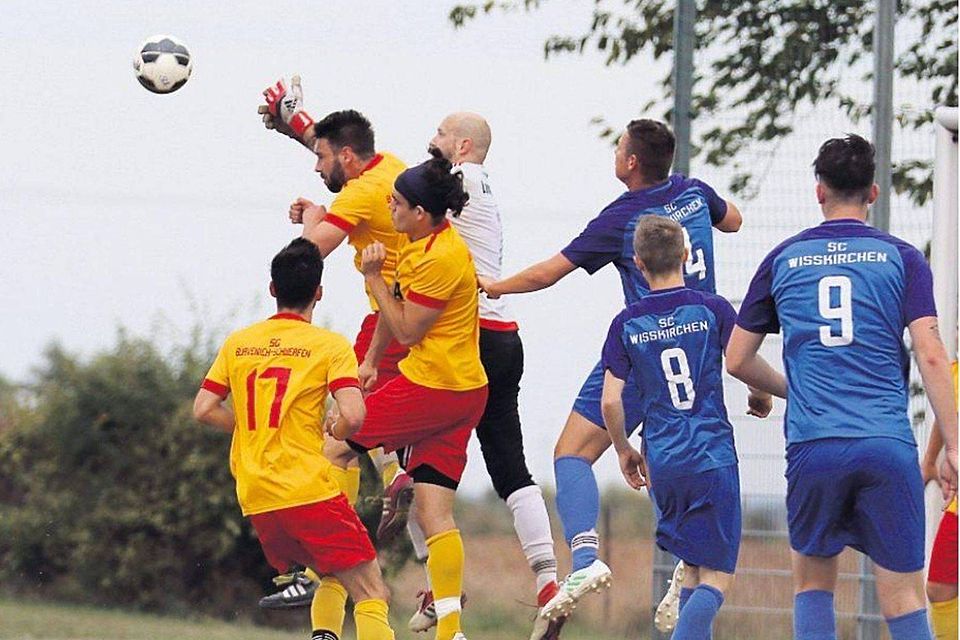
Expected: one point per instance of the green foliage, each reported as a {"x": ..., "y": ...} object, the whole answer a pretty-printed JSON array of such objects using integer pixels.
[
  {"x": 761, "y": 61},
  {"x": 111, "y": 493}
]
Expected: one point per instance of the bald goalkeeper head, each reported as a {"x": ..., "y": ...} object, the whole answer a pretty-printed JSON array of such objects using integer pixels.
[{"x": 462, "y": 137}]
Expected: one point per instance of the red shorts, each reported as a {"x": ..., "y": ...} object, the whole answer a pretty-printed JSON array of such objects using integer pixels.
[
  {"x": 326, "y": 536},
  {"x": 432, "y": 426},
  {"x": 387, "y": 368},
  {"x": 943, "y": 558}
]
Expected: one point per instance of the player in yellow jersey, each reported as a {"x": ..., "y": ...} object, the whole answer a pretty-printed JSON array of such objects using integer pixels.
[
  {"x": 428, "y": 412},
  {"x": 942, "y": 575},
  {"x": 279, "y": 373},
  {"x": 362, "y": 180}
]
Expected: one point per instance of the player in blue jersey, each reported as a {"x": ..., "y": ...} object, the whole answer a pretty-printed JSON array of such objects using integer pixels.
[
  {"x": 670, "y": 344},
  {"x": 642, "y": 162},
  {"x": 842, "y": 293}
]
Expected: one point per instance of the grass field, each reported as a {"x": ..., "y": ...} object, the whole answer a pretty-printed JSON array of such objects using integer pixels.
[
  {"x": 29, "y": 621},
  {"x": 500, "y": 589}
]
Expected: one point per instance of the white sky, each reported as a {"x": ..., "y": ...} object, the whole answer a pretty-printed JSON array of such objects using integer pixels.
[{"x": 125, "y": 208}]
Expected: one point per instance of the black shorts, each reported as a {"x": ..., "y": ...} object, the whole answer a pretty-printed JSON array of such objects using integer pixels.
[{"x": 499, "y": 429}]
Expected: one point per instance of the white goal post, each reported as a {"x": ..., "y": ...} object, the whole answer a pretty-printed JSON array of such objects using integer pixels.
[{"x": 943, "y": 263}]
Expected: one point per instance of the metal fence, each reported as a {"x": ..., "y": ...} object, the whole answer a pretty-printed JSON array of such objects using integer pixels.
[{"x": 761, "y": 602}]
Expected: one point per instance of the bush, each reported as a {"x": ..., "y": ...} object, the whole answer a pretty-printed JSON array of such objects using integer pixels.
[{"x": 110, "y": 493}]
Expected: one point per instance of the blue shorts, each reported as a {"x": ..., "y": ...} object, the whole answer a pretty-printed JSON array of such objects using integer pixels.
[
  {"x": 864, "y": 493},
  {"x": 699, "y": 517},
  {"x": 587, "y": 403}
]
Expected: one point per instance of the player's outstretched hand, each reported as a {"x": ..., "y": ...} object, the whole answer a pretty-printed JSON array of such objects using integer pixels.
[
  {"x": 485, "y": 285},
  {"x": 759, "y": 403},
  {"x": 374, "y": 255},
  {"x": 367, "y": 375},
  {"x": 297, "y": 208},
  {"x": 634, "y": 468},
  {"x": 283, "y": 110}
]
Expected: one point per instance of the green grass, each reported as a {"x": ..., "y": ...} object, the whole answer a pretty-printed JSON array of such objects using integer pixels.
[{"x": 21, "y": 620}]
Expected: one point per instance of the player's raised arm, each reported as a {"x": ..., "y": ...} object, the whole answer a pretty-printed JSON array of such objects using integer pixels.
[
  {"x": 208, "y": 408},
  {"x": 283, "y": 112},
  {"x": 534, "y": 278}
]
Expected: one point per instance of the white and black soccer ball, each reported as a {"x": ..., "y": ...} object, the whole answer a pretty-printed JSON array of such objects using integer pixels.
[{"x": 162, "y": 64}]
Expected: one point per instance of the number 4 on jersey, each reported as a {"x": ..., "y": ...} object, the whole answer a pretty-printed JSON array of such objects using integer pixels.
[{"x": 695, "y": 263}]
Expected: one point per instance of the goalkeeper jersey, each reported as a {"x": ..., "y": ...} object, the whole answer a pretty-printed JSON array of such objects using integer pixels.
[{"x": 278, "y": 373}]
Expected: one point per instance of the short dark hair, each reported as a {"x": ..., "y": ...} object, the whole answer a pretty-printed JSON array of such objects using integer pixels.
[
  {"x": 653, "y": 144},
  {"x": 847, "y": 166},
  {"x": 658, "y": 243},
  {"x": 296, "y": 272},
  {"x": 347, "y": 129}
]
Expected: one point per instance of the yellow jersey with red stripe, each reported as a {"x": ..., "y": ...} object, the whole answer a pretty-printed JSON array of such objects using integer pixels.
[
  {"x": 437, "y": 271},
  {"x": 362, "y": 210},
  {"x": 278, "y": 373}
]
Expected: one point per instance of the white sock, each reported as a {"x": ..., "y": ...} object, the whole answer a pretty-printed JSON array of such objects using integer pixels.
[
  {"x": 416, "y": 537},
  {"x": 533, "y": 529}
]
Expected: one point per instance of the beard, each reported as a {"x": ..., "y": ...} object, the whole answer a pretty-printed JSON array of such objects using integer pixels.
[
  {"x": 336, "y": 179},
  {"x": 436, "y": 152}
]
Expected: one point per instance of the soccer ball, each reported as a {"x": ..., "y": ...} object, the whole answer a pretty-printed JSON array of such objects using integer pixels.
[{"x": 162, "y": 64}]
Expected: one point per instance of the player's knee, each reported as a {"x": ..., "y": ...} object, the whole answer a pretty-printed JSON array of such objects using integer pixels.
[{"x": 507, "y": 484}]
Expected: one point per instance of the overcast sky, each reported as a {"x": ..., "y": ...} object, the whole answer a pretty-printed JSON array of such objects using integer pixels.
[{"x": 125, "y": 208}]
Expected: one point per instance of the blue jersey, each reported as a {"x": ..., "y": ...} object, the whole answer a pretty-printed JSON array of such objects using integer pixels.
[
  {"x": 672, "y": 342},
  {"x": 609, "y": 237},
  {"x": 843, "y": 293}
]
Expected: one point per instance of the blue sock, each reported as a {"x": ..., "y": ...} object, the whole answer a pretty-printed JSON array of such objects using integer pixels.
[
  {"x": 813, "y": 616},
  {"x": 698, "y": 613},
  {"x": 578, "y": 503},
  {"x": 685, "y": 593},
  {"x": 910, "y": 626}
]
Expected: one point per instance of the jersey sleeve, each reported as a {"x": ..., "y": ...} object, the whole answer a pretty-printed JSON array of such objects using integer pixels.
[
  {"x": 599, "y": 244},
  {"x": 758, "y": 313},
  {"x": 918, "y": 300},
  {"x": 217, "y": 379},
  {"x": 615, "y": 358},
  {"x": 434, "y": 282},
  {"x": 726, "y": 317},
  {"x": 342, "y": 371},
  {"x": 351, "y": 207},
  {"x": 716, "y": 204}
]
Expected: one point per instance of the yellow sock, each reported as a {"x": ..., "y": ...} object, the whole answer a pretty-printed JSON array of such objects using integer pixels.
[
  {"x": 445, "y": 566},
  {"x": 349, "y": 481},
  {"x": 329, "y": 606},
  {"x": 310, "y": 573},
  {"x": 390, "y": 472},
  {"x": 945, "y": 619},
  {"x": 371, "y": 618}
]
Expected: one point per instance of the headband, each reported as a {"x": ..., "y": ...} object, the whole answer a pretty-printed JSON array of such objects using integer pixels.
[{"x": 413, "y": 185}]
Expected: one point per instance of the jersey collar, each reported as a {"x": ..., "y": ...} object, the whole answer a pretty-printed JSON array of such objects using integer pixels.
[
  {"x": 287, "y": 316},
  {"x": 433, "y": 234},
  {"x": 844, "y": 221}
]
